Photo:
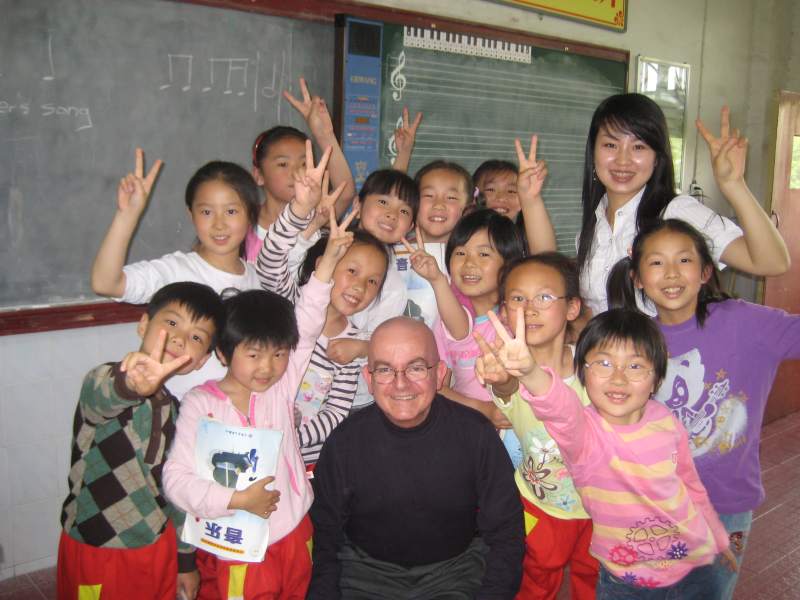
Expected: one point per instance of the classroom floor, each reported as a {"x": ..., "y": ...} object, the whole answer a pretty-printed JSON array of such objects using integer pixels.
[{"x": 771, "y": 569}]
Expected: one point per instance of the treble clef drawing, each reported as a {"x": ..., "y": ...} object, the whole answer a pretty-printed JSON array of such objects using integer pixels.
[
  {"x": 391, "y": 145},
  {"x": 398, "y": 79}
]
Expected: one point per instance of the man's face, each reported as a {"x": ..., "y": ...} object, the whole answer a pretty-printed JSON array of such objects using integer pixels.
[{"x": 399, "y": 345}]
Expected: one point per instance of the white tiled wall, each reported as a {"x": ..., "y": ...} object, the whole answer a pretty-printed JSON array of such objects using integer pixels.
[{"x": 41, "y": 375}]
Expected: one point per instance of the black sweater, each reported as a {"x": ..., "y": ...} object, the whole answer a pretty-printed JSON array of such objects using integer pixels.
[{"x": 417, "y": 496}]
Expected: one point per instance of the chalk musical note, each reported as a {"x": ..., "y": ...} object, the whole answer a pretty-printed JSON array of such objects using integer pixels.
[
  {"x": 181, "y": 59},
  {"x": 278, "y": 76},
  {"x": 397, "y": 79},
  {"x": 52, "y": 74},
  {"x": 234, "y": 65}
]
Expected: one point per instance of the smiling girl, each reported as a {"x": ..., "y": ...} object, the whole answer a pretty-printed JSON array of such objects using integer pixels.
[{"x": 629, "y": 180}]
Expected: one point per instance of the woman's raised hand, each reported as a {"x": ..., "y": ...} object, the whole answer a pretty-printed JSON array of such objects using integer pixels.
[{"x": 728, "y": 151}]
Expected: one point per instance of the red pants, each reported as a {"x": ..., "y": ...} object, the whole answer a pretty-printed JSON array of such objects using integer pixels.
[
  {"x": 89, "y": 573},
  {"x": 552, "y": 544},
  {"x": 284, "y": 573}
]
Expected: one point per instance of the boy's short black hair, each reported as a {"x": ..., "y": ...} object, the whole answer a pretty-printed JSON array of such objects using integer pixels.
[
  {"x": 621, "y": 325},
  {"x": 391, "y": 181},
  {"x": 260, "y": 317},
  {"x": 198, "y": 299}
]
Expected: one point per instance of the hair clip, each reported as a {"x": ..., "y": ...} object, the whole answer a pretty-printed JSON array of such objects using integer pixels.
[{"x": 256, "y": 146}]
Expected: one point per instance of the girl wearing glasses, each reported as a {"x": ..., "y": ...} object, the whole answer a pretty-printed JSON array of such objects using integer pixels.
[
  {"x": 544, "y": 288},
  {"x": 654, "y": 526},
  {"x": 724, "y": 354}
]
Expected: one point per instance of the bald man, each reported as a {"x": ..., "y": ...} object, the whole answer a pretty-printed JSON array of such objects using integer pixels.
[{"x": 415, "y": 494}]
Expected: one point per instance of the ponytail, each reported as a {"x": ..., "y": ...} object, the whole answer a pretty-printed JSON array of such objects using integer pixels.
[{"x": 619, "y": 287}]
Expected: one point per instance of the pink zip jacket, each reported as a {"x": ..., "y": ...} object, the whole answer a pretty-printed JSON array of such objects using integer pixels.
[{"x": 272, "y": 409}]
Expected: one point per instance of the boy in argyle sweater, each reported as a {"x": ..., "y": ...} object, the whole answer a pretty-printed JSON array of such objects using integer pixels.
[{"x": 120, "y": 533}]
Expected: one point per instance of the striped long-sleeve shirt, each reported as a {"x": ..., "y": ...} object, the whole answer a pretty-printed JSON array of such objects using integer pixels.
[
  {"x": 326, "y": 393},
  {"x": 652, "y": 519}
]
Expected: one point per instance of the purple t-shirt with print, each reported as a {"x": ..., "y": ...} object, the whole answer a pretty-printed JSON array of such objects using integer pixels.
[{"x": 718, "y": 380}]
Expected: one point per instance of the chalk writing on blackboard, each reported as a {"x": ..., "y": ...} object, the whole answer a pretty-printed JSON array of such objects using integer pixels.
[{"x": 233, "y": 76}]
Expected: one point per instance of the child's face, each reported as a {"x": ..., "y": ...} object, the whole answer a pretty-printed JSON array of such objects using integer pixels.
[
  {"x": 623, "y": 163},
  {"x": 671, "y": 273},
  {"x": 185, "y": 335},
  {"x": 386, "y": 216},
  {"x": 220, "y": 219},
  {"x": 357, "y": 278},
  {"x": 532, "y": 282},
  {"x": 442, "y": 198},
  {"x": 500, "y": 191},
  {"x": 619, "y": 400},
  {"x": 255, "y": 367},
  {"x": 275, "y": 173},
  {"x": 475, "y": 265}
]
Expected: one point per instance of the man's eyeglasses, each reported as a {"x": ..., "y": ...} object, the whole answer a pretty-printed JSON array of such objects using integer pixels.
[
  {"x": 605, "y": 368},
  {"x": 413, "y": 372},
  {"x": 539, "y": 301}
]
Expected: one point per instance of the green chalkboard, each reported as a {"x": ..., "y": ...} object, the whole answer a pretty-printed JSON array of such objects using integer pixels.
[
  {"x": 84, "y": 82},
  {"x": 478, "y": 93}
]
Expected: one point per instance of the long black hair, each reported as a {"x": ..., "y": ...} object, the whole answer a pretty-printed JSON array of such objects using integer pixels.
[
  {"x": 620, "y": 287},
  {"x": 640, "y": 116}
]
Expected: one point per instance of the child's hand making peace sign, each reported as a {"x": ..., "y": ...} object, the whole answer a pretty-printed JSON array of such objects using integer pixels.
[
  {"x": 532, "y": 173},
  {"x": 145, "y": 373},
  {"x": 308, "y": 184},
  {"x": 423, "y": 263},
  {"x": 339, "y": 240},
  {"x": 134, "y": 189}
]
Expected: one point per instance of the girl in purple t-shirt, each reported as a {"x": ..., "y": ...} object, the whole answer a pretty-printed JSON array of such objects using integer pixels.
[{"x": 724, "y": 354}]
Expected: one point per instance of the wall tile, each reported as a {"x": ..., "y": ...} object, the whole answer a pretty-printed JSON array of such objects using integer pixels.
[
  {"x": 36, "y": 529},
  {"x": 33, "y": 470},
  {"x": 26, "y": 413},
  {"x": 6, "y": 543},
  {"x": 5, "y": 477}
]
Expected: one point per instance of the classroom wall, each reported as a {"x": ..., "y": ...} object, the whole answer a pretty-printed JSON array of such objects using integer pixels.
[{"x": 743, "y": 55}]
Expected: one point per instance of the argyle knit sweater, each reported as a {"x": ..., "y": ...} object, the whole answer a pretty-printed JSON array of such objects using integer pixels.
[{"x": 119, "y": 446}]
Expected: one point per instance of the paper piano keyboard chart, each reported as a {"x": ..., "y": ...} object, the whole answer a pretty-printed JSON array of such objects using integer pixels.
[
  {"x": 82, "y": 84},
  {"x": 457, "y": 43},
  {"x": 478, "y": 94}
]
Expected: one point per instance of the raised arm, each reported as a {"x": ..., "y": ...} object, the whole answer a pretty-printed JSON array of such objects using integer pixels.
[
  {"x": 404, "y": 137},
  {"x": 450, "y": 310},
  {"x": 761, "y": 250},
  {"x": 315, "y": 112},
  {"x": 335, "y": 409},
  {"x": 272, "y": 265},
  {"x": 530, "y": 180},
  {"x": 108, "y": 278}
]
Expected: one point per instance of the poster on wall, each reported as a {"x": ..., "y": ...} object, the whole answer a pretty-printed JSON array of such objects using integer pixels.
[{"x": 611, "y": 14}]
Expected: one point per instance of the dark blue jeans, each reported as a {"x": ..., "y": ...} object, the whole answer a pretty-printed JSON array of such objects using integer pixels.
[{"x": 695, "y": 586}]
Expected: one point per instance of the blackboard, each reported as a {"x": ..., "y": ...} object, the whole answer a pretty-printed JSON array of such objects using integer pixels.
[
  {"x": 84, "y": 82},
  {"x": 480, "y": 89}
]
